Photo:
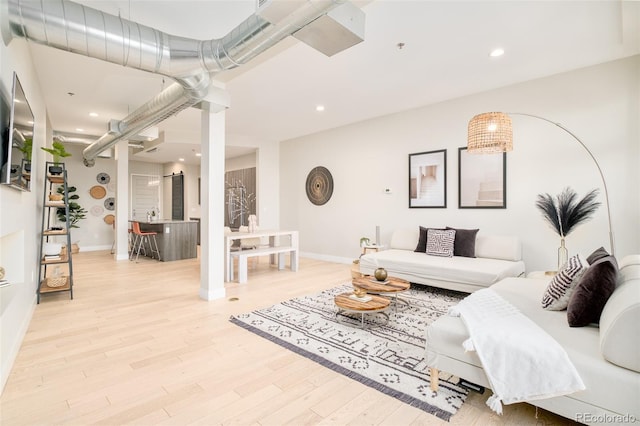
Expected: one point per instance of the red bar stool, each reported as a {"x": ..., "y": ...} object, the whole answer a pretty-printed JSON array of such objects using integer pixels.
[{"x": 141, "y": 237}]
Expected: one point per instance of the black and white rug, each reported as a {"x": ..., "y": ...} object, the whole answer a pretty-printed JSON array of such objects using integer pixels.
[{"x": 389, "y": 358}]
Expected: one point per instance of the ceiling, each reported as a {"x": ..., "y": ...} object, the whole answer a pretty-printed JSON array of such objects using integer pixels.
[{"x": 445, "y": 55}]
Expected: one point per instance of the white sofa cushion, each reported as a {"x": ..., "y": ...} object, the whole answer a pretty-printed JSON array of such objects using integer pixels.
[
  {"x": 405, "y": 239},
  {"x": 629, "y": 268},
  {"x": 466, "y": 270},
  {"x": 620, "y": 318},
  {"x": 498, "y": 247}
]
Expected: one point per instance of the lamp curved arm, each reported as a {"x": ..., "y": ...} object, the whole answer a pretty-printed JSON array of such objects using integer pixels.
[{"x": 604, "y": 183}]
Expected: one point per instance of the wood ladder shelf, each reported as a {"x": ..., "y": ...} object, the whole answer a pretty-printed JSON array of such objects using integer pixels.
[{"x": 48, "y": 281}]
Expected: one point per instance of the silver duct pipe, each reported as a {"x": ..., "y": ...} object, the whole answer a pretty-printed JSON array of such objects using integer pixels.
[{"x": 80, "y": 29}]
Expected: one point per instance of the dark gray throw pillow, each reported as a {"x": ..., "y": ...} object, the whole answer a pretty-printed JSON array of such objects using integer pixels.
[
  {"x": 465, "y": 242},
  {"x": 422, "y": 240},
  {"x": 593, "y": 291},
  {"x": 596, "y": 255}
]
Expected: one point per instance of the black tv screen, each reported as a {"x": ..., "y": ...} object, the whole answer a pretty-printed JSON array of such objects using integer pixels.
[
  {"x": 5, "y": 118},
  {"x": 17, "y": 139}
]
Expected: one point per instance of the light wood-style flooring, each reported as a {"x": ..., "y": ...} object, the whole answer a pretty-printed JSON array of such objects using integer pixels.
[{"x": 138, "y": 346}]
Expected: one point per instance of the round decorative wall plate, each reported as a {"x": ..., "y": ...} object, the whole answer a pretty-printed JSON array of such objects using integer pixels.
[
  {"x": 110, "y": 203},
  {"x": 96, "y": 210},
  {"x": 109, "y": 219},
  {"x": 319, "y": 185},
  {"x": 98, "y": 192},
  {"x": 103, "y": 178}
]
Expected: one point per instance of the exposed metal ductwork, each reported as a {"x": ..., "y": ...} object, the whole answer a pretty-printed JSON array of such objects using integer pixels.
[{"x": 191, "y": 63}]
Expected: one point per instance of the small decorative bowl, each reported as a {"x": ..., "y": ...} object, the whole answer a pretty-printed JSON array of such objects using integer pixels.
[
  {"x": 55, "y": 197},
  {"x": 359, "y": 292}
]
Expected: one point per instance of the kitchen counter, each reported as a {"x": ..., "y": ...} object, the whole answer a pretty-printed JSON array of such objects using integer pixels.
[{"x": 177, "y": 239}]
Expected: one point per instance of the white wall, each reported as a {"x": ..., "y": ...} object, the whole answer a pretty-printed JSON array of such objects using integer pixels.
[
  {"x": 20, "y": 216},
  {"x": 93, "y": 232},
  {"x": 241, "y": 162},
  {"x": 599, "y": 104}
]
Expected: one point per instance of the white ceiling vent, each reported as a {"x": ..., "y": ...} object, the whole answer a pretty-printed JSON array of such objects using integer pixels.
[{"x": 336, "y": 31}]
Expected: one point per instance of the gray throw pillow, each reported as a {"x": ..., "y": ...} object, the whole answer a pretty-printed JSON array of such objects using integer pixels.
[
  {"x": 594, "y": 289},
  {"x": 422, "y": 241},
  {"x": 465, "y": 243},
  {"x": 596, "y": 255}
]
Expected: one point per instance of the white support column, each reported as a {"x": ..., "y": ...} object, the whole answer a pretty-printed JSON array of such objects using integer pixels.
[
  {"x": 122, "y": 200},
  {"x": 212, "y": 251}
]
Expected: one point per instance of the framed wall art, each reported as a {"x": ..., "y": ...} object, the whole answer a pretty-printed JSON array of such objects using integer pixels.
[
  {"x": 482, "y": 180},
  {"x": 428, "y": 179}
]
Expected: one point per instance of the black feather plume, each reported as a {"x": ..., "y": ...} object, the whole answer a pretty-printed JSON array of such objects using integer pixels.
[
  {"x": 547, "y": 205},
  {"x": 564, "y": 213}
]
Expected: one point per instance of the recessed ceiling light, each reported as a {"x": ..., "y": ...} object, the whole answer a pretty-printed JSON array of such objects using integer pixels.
[
  {"x": 198, "y": 154},
  {"x": 181, "y": 159},
  {"x": 319, "y": 108},
  {"x": 93, "y": 114},
  {"x": 496, "y": 52},
  {"x": 79, "y": 130}
]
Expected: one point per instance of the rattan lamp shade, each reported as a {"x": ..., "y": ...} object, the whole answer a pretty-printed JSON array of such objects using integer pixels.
[{"x": 490, "y": 132}]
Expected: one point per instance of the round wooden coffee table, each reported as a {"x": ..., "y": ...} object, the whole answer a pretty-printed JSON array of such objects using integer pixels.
[
  {"x": 347, "y": 303},
  {"x": 389, "y": 287}
]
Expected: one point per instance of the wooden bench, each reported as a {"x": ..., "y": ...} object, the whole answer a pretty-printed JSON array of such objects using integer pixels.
[{"x": 281, "y": 251}]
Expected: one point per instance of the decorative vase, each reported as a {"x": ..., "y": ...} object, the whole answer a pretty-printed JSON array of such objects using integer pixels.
[
  {"x": 563, "y": 254},
  {"x": 380, "y": 274}
]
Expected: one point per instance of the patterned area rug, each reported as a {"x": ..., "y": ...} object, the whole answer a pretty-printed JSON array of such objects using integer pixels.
[{"x": 388, "y": 357}]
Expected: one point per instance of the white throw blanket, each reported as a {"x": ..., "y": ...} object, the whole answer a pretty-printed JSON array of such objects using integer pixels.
[{"x": 521, "y": 361}]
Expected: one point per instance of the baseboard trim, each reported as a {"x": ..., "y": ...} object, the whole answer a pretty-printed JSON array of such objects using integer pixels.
[{"x": 327, "y": 258}]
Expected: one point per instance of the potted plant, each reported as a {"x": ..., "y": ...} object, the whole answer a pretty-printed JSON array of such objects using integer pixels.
[
  {"x": 76, "y": 211},
  {"x": 364, "y": 241},
  {"x": 26, "y": 148},
  {"x": 58, "y": 151}
]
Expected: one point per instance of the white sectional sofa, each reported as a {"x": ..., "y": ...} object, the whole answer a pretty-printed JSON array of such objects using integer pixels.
[
  {"x": 497, "y": 257},
  {"x": 606, "y": 357}
]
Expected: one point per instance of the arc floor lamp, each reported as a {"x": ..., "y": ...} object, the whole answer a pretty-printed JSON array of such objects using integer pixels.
[{"x": 491, "y": 132}]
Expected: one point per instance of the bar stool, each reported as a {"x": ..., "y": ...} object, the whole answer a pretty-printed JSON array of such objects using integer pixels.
[{"x": 140, "y": 238}]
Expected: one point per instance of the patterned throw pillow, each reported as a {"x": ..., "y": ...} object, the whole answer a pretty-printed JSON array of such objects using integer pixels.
[
  {"x": 562, "y": 286},
  {"x": 440, "y": 242}
]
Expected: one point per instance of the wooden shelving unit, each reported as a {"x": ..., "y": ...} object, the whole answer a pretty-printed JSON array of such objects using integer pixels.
[{"x": 48, "y": 281}]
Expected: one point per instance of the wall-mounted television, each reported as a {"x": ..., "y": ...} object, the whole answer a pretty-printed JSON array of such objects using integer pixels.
[{"x": 16, "y": 122}]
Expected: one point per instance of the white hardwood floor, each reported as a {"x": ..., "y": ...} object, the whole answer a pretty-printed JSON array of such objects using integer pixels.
[{"x": 138, "y": 346}]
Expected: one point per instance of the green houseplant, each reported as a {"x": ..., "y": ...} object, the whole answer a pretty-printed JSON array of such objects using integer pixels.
[
  {"x": 58, "y": 151},
  {"x": 27, "y": 148},
  {"x": 76, "y": 211}
]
